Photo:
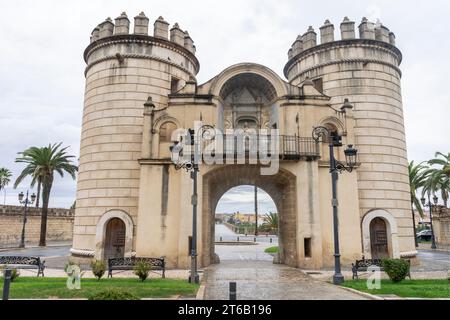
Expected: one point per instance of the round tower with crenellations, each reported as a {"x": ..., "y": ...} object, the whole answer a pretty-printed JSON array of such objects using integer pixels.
[
  {"x": 124, "y": 68},
  {"x": 365, "y": 70}
]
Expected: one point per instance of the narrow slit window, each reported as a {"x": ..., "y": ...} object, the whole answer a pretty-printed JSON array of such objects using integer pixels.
[
  {"x": 307, "y": 244},
  {"x": 174, "y": 85}
]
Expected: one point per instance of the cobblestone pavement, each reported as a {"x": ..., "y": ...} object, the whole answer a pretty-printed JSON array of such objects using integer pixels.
[
  {"x": 258, "y": 278},
  {"x": 263, "y": 280}
]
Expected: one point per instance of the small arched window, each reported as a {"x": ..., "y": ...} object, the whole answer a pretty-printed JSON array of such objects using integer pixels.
[
  {"x": 332, "y": 128},
  {"x": 166, "y": 130}
]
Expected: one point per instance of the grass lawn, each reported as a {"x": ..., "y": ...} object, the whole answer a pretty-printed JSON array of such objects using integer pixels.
[
  {"x": 271, "y": 250},
  {"x": 43, "y": 288},
  {"x": 406, "y": 288}
]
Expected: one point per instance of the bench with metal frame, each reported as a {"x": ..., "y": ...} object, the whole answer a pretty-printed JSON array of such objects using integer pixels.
[
  {"x": 23, "y": 262},
  {"x": 364, "y": 264},
  {"x": 124, "y": 264}
]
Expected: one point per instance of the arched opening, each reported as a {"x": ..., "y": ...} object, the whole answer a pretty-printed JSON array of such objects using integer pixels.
[
  {"x": 380, "y": 235},
  {"x": 378, "y": 239},
  {"x": 248, "y": 101},
  {"x": 280, "y": 187},
  {"x": 246, "y": 224},
  {"x": 165, "y": 138},
  {"x": 115, "y": 239}
]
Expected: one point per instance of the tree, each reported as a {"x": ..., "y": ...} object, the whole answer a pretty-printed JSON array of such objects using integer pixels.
[
  {"x": 5, "y": 178},
  {"x": 42, "y": 163},
  {"x": 417, "y": 179},
  {"x": 439, "y": 178},
  {"x": 271, "y": 221}
]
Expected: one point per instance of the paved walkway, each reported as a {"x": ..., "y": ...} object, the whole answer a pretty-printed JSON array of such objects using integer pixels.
[
  {"x": 263, "y": 280},
  {"x": 258, "y": 278}
]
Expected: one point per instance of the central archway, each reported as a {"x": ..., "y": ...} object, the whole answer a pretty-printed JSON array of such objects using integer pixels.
[{"x": 282, "y": 189}]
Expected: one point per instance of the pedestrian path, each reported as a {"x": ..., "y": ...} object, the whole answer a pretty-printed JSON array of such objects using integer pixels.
[{"x": 263, "y": 280}]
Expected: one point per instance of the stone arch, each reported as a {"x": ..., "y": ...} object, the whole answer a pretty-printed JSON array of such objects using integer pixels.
[
  {"x": 251, "y": 68},
  {"x": 392, "y": 232},
  {"x": 100, "y": 232},
  {"x": 162, "y": 120},
  {"x": 337, "y": 123},
  {"x": 281, "y": 188}
]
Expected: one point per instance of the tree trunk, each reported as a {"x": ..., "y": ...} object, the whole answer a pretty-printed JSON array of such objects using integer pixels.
[
  {"x": 46, "y": 187},
  {"x": 414, "y": 224},
  {"x": 38, "y": 193}
]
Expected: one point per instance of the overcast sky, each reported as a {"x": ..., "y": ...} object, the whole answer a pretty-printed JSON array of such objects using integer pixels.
[{"x": 41, "y": 65}]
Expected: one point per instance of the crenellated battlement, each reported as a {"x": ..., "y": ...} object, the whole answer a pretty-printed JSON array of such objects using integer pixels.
[
  {"x": 367, "y": 31},
  {"x": 121, "y": 26}
]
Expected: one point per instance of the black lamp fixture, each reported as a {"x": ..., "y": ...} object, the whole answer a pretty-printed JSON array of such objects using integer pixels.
[
  {"x": 25, "y": 202},
  {"x": 191, "y": 165},
  {"x": 335, "y": 140},
  {"x": 430, "y": 207}
]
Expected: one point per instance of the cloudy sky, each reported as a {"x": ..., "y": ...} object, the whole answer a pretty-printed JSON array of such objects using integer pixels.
[{"x": 41, "y": 65}]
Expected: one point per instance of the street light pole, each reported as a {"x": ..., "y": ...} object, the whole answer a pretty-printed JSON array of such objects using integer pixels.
[
  {"x": 336, "y": 167},
  {"x": 192, "y": 166},
  {"x": 256, "y": 210},
  {"x": 194, "y": 277},
  {"x": 338, "y": 278},
  {"x": 430, "y": 207},
  {"x": 25, "y": 218}
]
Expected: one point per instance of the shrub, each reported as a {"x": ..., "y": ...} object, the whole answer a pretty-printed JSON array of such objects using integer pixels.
[
  {"x": 14, "y": 273},
  {"x": 113, "y": 294},
  {"x": 396, "y": 269},
  {"x": 98, "y": 268},
  {"x": 141, "y": 269}
]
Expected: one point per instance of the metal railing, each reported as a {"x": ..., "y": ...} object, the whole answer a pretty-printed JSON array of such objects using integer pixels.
[{"x": 288, "y": 147}]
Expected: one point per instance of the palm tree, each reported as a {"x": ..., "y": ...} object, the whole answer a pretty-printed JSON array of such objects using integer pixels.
[
  {"x": 440, "y": 177},
  {"x": 417, "y": 179},
  {"x": 271, "y": 221},
  {"x": 444, "y": 162},
  {"x": 41, "y": 166},
  {"x": 5, "y": 179}
]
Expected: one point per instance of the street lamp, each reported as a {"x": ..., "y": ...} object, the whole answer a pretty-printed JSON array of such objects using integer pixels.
[
  {"x": 335, "y": 140},
  {"x": 430, "y": 207},
  {"x": 25, "y": 202},
  {"x": 191, "y": 165}
]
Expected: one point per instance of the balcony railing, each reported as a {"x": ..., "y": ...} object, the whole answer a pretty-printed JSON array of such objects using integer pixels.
[{"x": 288, "y": 147}]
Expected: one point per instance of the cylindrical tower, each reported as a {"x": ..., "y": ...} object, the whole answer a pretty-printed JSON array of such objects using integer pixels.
[
  {"x": 366, "y": 71},
  {"x": 123, "y": 69}
]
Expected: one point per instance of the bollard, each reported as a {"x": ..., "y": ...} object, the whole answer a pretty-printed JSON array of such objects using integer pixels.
[
  {"x": 6, "y": 284},
  {"x": 233, "y": 293}
]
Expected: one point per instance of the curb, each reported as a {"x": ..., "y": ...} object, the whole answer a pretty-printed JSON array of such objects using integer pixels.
[
  {"x": 200, "y": 293},
  {"x": 363, "y": 294}
]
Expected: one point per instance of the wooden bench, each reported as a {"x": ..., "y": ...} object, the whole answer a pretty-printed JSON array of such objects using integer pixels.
[
  {"x": 123, "y": 264},
  {"x": 364, "y": 264},
  {"x": 21, "y": 262}
]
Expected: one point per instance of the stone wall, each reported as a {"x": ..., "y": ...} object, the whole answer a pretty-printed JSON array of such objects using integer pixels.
[
  {"x": 59, "y": 225},
  {"x": 441, "y": 225}
]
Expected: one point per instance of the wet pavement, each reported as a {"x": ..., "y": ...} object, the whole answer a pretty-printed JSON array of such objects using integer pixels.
[
  {"x": 55, "y": 256},
  {"x": 258, "y": 278},
  {"x": 263, "y": 280},
  {"x": 431, "y": 260}
]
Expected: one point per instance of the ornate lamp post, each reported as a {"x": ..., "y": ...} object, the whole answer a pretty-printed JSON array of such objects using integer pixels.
[
  {"x": 430, "y": 206},
  {"x": 191, "y": 165},
  {"x": 335, "y": 140},
  {"x": 25, "y": 202}
]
